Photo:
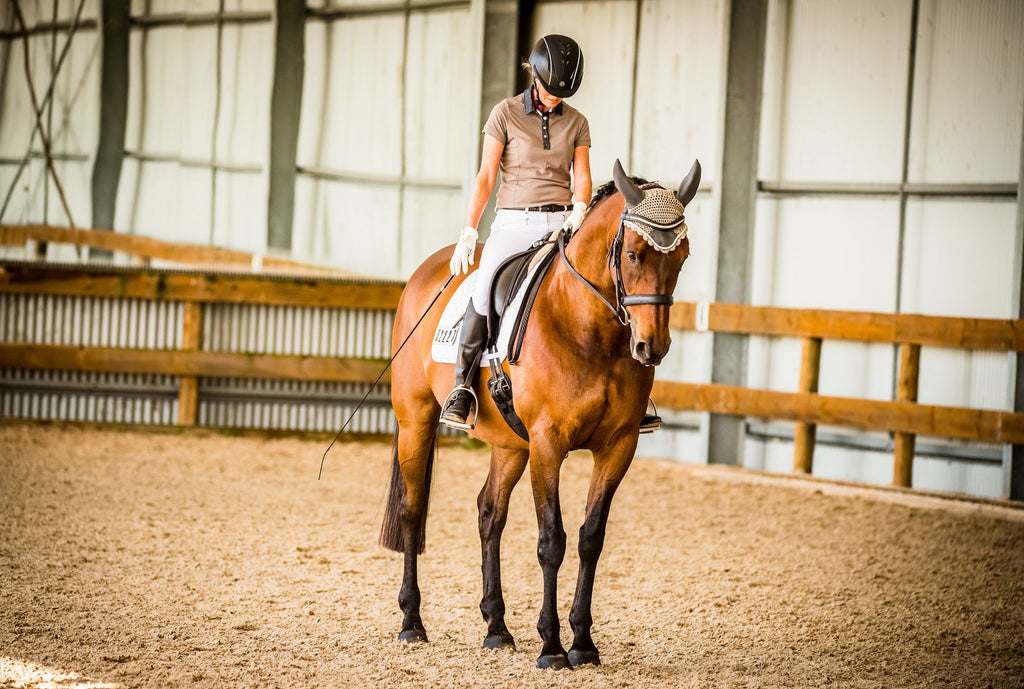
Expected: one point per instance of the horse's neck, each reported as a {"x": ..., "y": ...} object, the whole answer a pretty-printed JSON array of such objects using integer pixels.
[{"x": 578, "y": 308}]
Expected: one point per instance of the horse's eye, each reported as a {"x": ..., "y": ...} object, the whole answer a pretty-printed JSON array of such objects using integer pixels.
[{"x": 631, "y": 255}]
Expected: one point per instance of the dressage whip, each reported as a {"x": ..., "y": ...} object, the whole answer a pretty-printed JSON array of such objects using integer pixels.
[{"x": 386, "y": 367}]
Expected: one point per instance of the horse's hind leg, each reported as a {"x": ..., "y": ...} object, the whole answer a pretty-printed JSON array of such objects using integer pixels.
[
  {"x": 507, "y": 467},
  {"x": 406, "y": 513},
  {"x": 610, "y": 467}
]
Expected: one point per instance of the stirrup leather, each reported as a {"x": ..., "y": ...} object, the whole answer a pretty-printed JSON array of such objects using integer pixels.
[{"x": 473, "y": 407}]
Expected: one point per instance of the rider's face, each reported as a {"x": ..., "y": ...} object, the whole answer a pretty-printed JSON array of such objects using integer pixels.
[{"x": 546, "y": 98}]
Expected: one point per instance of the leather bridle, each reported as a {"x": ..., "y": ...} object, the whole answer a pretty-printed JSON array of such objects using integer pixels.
[{"x": 622, "y": 300}]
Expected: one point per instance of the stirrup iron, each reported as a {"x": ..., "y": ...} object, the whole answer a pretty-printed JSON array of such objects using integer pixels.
[
  {"x": 474, "y": 407},
  {"x": 650, "y": 422}
]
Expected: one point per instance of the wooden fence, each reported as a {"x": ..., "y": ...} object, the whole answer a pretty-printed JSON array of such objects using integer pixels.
[{"x": 904, "y": 416}]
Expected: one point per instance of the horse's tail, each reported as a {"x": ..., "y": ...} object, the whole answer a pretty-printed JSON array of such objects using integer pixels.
[{"x": 391, "y": 536}]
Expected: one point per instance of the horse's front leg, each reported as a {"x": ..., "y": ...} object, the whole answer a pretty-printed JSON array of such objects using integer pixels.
[
  {"x": 546, "y": 455},
  {"x": 507, "y": 467},
  {"x": 610, "y": 465}
]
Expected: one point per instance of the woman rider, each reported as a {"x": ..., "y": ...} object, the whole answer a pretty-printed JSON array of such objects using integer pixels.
[{"x": 535, "y": 140}]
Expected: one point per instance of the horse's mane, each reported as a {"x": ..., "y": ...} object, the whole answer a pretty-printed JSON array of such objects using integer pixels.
[{"x": 608, "y": 188}]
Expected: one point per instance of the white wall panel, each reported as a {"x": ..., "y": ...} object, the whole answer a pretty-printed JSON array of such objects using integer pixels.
[
  {"x": 247, "y": 69},
  {"x": 431, "y": 219},
  {"x": 75, "y": 108},
  {"x": 249, "y": 5},
  {"x": 126, "y": 206},
  {"x": 959, "y": 258},
  {"x": 192, "y": 196},
  {"x": 158, "y": 7},
  {"x": 196, "y": 104},
  {"x": 241, "y": 211},
  {"x": 348, "y": 3},
  {"x": 16, "y": 107},
  {"x": 959, "y": 262},
  {"x": 156, "y": 204},
  {"x": 932, "y": 473},
  {"x": 844, "y": 82},
  {"x": 26, "y": 204},
  {"x": 696, "y": 280},
  {"x": 76, "y": 94},
  {"x": 605, "y": 31},
  {"x": 969, "y": 92},
  {"x": 678, "y": 89},
  {"x": 316, "y": 83},
  {"x": 363, "y": 97},
  {"x": 164, "y": 90},
  {"x": 346, "y": 225},
  {"x": 41, "y": 11},
  {"x": 439, "y": 114},
  {"x": 76, "y": 181},
  {"x": 310, "y": 234},
  {"x": 830, "y": 254}
]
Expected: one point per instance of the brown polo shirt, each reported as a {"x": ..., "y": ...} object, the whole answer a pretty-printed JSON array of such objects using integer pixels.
[{"x": 539, "y": 149}]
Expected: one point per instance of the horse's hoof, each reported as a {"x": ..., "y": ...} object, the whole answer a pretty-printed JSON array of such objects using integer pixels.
[
  {"x": 577, "y": 658},
  {"x": 413, "y": 636},
  {"x": 553, "y": 662},
  {"x": 499, "y": 641}
]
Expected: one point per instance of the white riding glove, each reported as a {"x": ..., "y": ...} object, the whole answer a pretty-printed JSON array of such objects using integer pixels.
[
  {"x": 575, "y": 219},
  {"x": 463, "y": 256}
]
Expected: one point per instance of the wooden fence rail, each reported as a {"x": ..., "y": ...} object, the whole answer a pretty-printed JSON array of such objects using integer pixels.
[{"x": 904, "y": 416}]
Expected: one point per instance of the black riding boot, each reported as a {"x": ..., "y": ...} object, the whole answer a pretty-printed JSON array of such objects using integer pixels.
[{"x": 471, "y": 341}]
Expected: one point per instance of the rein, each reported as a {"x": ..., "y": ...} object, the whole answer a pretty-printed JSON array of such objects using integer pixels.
[{"x": 622, "y": 300}]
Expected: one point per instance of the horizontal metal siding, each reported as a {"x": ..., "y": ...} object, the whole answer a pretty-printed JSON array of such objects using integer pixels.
[
  {"x": 223, "y": 402},
  {"x": 102, "y": 397},
  {"x": 293, "y": 405},
  {"x": 263, "y": 329},
  {"x": 90, "y": 321}
]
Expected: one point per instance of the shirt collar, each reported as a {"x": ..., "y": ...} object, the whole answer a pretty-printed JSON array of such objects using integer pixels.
[{"x": 529, "y": 107}]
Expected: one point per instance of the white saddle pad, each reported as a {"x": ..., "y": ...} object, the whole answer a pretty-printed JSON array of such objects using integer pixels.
[{"x": 445, "y": 345}]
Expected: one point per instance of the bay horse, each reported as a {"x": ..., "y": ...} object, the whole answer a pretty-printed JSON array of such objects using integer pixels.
[{"x": 582, "y": 381}]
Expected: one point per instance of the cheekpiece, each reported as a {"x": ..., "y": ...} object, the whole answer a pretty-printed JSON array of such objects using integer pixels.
[{"x": 658, "y": 218}]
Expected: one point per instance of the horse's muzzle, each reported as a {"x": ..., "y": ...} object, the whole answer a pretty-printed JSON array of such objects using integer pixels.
[{"x": 646, "y": 354}]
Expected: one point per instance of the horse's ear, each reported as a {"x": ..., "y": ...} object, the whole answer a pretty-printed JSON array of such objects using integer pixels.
[
  {"x": 689, "y": 186},
  {"x": 631, "y": 192}
]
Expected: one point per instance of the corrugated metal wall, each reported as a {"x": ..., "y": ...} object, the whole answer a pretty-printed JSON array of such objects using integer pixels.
[
  {"x": 387, "y": 146},
  {"x": 386, "y": 134},
  {"x": 72, "y": 114},
  {"x": 198, "y": 124},
  {"x": 147, "y": 324},
  {"x": 835, "y": 121}
]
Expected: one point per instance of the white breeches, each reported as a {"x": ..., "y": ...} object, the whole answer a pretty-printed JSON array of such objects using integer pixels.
[{"x": 511, "y": 232}]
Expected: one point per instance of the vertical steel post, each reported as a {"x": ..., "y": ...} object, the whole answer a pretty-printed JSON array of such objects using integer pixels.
[
  {"x": 285, "y": 109},
  {"x": 1013, "y": 455},
  {"x": 744, "y": 74},
  {"x": 106, "y": 171},
  {"x": 498, "y": 79}
]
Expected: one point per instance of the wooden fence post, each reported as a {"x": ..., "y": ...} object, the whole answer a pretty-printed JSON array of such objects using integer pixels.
[
  {"x": 803, "y": 438},
  {"x": 910, "y": 365},
  {"x": 191, "y": 339}
]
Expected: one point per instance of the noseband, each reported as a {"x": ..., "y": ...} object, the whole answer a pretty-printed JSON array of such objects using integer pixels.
[{"x": 622, "y": 300}]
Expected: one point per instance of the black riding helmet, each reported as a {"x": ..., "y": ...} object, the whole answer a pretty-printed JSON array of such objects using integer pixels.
[{"x": 558, "y": 62}]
